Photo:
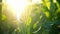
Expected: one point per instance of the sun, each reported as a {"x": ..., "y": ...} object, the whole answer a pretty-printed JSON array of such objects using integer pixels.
[{"x": 17, "y": 6}]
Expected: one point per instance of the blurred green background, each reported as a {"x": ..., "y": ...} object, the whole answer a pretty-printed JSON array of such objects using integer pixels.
[{"x": 43, "y": 18}]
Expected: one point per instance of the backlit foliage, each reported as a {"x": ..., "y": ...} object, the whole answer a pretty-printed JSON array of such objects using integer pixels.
[{"x": 37, "y": 18}]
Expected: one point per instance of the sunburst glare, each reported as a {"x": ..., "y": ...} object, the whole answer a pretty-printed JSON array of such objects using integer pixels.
[{"x": 18, "y": 6}]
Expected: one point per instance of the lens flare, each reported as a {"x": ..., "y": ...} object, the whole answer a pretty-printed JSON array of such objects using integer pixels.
[{"x": 17, "y": 6}]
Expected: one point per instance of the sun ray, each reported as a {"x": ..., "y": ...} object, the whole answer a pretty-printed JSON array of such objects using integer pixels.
[{"x": 17, "y": 6}]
